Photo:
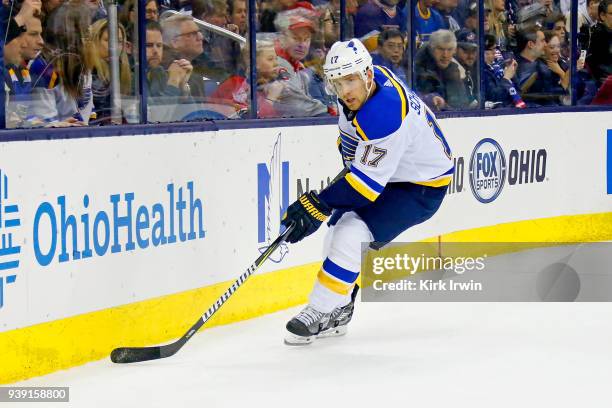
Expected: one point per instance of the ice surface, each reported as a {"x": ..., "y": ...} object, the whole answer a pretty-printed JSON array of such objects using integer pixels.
[{"x": 395, "y": 354}]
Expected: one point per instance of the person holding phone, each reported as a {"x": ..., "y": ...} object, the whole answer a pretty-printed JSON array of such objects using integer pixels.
[{"x": 500, "y": 89}]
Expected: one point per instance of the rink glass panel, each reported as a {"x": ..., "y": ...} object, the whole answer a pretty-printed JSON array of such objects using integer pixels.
[{"x": 219, "y": 85}]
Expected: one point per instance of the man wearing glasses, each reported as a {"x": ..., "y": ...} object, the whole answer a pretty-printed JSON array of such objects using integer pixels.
[
  {"x": 390, "y": 52},
  {"x": 183, "y": 40}
]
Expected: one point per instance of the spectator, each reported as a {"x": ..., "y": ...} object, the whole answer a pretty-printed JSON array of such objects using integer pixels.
[
  {"x": 426, "y": 20},
  {"x": 13, "y": 43},
  {"x": 276, "y": 96},
  {"x": 97, "y": 9},
  {"x": 549, "y": 7},
  {"x": 267, "y": 74},
  {"x": 48, "y": 6},
  {"x": 316, "y": 80},
  {"x": 221, "y": 52},
  {"x": 498, "y": 23},
  {"x": 31, "y": 40},
  {"x": 557, "y": 24},
  {"x": 174, "y": 81},
  {"x": 471, "y": 20},
  {"x": 587, "y": 18},
  {"x": 534, "y": 14},
  {"x": 101, "y": 85},
  {"x": 599, "y": 55},
  {"x": 271, "y": 8},
  {"x": 296, "y": 28},
  {"x": 17, "y": 82},
  {"x": 24, "y": 44},
  {"x": 555, "y": 80},
  {"x": 448, "y": 9},
  {"x": 487, "y": 19},
  {"x": 65, "y": 86},
  {"x": 377, "y": 15},
  {"x": 330, "y": 16},
  {"x": 604, "y": 94},
  {"x": 127, "y": 17},
  {"x": 390, "y": 52},
  {"x": 212, "y": 11},
  {"x": 183, "y": 40},
  {"x": 238, "y": 15},
  {"x": 437, "y": 75},
  {"x": 467, "y": 53},
  {"x": 499, "y": 88},
  {"x": 530, "y": 67}
]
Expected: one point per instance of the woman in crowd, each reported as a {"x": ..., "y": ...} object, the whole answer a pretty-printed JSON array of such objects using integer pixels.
[
  {"x": 101, "y": 84},
  {"x": 555, "y": 80},
  {"x": 498, "y": 25},
  {"x": 61, "y": 77}
]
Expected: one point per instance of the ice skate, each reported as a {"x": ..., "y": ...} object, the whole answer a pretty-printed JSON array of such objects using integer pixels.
[{"x": 310, "y": 324}]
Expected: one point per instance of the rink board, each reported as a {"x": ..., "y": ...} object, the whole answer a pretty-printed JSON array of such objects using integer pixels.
[{"x": 162, "y": 222}]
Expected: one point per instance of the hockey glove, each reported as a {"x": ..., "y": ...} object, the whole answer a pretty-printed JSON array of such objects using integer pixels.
[{"x": 308, "y": 213}]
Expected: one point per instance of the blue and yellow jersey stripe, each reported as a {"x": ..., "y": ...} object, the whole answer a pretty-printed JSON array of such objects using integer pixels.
[
  {"x": 439, "y": 181},
  {"x": 399, "y": 88},
  {"x": 349, "y": 145},
  {"x": 384, "y": 112},
  {"x": 363, "y": 184},
  {"x": 360, "y": 131}
]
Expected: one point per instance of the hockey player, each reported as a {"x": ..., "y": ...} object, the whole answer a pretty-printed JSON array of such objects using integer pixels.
[{"x": 398, "y": 170}]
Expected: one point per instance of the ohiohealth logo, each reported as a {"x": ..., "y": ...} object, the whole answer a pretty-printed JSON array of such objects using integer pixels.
[
  {"x": 9, "y": 252},
  {"x": 65, "y": 237},
  {"x": 487, "y": 170},
  {"x": 66, "y": 230}
]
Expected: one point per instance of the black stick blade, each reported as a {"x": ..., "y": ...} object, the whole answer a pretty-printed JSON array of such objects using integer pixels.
[{"x": 124, "y": 355}]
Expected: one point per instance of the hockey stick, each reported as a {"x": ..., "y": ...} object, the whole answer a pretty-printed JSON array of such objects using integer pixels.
[{"x": 135, "y": 354}]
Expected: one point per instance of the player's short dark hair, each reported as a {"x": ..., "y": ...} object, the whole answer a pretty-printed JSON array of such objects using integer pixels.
[
  {"x": 528, "y": 34},
  {"x": 387, "y": 34}
]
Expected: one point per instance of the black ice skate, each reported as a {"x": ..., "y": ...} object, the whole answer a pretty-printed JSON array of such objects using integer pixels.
[{"x": 310, "y": 324}]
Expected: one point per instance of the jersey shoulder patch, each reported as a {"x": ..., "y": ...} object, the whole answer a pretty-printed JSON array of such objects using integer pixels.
[{"x": 384, "y": 112}]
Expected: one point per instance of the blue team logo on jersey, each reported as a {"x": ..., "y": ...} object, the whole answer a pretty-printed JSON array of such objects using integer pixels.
[
  {"x": 487, "y": 170},
  {"x": 609, "y": 161}
]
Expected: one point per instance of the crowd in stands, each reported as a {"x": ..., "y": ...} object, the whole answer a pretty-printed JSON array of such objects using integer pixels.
[{"x": 62, "y": 68}]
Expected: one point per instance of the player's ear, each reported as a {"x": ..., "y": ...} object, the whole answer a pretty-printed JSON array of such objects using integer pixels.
[{"x": 370, "y": 76}]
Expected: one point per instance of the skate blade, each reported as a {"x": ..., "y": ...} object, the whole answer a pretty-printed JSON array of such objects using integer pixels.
[
  {"x": 293, "y": 340},
  {"x": 333, "y": 332}
]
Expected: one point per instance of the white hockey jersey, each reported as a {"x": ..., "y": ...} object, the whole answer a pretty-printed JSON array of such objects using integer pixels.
[{"x": 394, "y": 137}]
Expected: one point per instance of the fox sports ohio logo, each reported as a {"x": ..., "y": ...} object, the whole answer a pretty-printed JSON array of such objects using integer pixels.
[{"x": 487, "y": 170}]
